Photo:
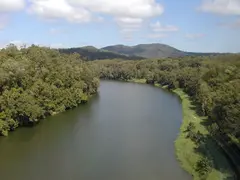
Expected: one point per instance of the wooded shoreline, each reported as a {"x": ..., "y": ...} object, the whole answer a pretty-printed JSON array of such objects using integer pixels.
[
  {"x": 185, "y": 147},
  {"x": 37, "y": 82}
]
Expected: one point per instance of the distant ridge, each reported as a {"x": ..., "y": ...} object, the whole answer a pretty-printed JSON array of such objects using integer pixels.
[
  {"x": 92, "y": 53},
  {"x": 138, "y": 52},
  {"x": 154, "y": 50}
]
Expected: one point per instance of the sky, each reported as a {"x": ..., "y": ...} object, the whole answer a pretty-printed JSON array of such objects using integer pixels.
[{"x": 189, "y": 25}]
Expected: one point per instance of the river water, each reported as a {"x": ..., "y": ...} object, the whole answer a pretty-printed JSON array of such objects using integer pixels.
[{"x": 126, "y": 132}]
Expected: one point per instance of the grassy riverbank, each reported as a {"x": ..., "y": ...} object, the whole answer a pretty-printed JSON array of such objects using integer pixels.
[{"x": 189, "y": 153}]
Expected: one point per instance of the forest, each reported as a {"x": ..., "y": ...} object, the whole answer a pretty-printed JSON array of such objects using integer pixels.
[
  {"x": 37, "y": 82},
  {"x": 213, "y": 85},
  {"x": 212, "y": 82}
]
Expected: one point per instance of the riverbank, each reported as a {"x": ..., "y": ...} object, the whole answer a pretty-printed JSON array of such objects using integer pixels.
[
  {"x": 114, "y": 132},
  {"x": 5, "y": 129},
  {"x": 189, "y": 153}
]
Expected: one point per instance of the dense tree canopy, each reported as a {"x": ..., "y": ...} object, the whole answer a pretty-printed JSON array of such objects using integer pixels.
[
  {"x": 213, "y": 82},
  {"x": 36, "y": 82},
  {"x": 213, "y": 85}
]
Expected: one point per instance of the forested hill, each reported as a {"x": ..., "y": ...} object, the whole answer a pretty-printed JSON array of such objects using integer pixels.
[
  {"x": 154, "y": 50},
  {"x": 138, "y": 52},
  {"x": 92, "y": 53}
]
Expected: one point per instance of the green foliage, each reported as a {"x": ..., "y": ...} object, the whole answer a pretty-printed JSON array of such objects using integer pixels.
[
  {"x": 190, "y": 127},
  {"x": 195, "y": 137},
  {"x": 36, "y": 82},
  {"x": 203, "y": 168},
  {"x": 212, "y": 87},
  {"x": 4, "y": 128},
  {"x": 212, "y": 82}
]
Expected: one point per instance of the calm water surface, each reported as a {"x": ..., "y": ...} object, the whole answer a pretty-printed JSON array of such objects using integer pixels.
[{"x": 126, "y": 132}]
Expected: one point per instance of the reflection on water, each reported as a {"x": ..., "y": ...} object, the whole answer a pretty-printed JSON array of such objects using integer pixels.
[{"x": 126, "y": 132}]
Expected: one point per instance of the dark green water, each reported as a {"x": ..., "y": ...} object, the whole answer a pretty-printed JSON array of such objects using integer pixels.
[{"x": 126, "y": 132}]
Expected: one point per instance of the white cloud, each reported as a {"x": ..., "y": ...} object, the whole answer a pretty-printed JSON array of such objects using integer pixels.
[
  {"x": 158, "y": 27},
  {"x": 59, "y": 9},
  {"x": 127, "y": 20},
  {"x": 225, "y": 7},
  {"x": 8, "y": 6},
  {"x": 157, "y": 36},
  {"x": 11, "y": 5},
  {"x": 122, "y": 8},
  {"x": 129, "y": 15},
  {"x": 86, "y": 10},
  {"x": 195, "y": 36}
]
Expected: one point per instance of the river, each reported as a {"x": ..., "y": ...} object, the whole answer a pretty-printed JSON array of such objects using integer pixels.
[{"x": 126, "y": 132}]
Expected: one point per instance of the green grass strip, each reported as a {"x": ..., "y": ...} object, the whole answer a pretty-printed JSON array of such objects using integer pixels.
[{"x": 186, "y": 148}]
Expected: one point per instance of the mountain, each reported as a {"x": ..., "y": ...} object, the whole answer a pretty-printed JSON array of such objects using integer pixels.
[
  {"x": 138, "y": 52},
  {"x": 152, "y": 51},
  {"x": 147, "y": 50},
  {"x": 90, "y": 48},
  {"x": 92, "y": 53}
]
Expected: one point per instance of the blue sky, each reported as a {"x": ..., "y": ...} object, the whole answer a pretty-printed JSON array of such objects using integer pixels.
[{"x": 190, "y": 25}]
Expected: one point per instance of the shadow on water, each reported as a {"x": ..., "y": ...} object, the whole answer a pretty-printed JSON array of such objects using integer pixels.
[
  {"x": 126, "y": 132},
  {"x": 28, "y": 133}
]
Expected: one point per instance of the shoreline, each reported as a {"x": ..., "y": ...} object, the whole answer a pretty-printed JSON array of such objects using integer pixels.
[
  {"x": 185, "y": 148},
  {"x": 85, "y": 100}
]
